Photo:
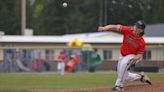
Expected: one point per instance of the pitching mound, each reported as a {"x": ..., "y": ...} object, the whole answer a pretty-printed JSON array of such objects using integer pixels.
[{"x": 137, "y": 87}]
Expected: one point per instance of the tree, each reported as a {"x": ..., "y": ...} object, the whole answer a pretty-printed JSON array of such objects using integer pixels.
[
  {"x": 153, "y": 11},
  {"x": 10, "y": 16},
  {"x": 79, "y": 16},
  {"x": 124, "y": 11},
  {"x": 50, "y": 18}
]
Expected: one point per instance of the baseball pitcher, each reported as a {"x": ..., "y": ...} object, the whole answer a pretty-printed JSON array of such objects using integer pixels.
[{"x": 131, "y": 51}]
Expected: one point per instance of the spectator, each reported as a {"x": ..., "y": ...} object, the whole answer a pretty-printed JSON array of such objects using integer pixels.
[{"x": 61, "y": 63}]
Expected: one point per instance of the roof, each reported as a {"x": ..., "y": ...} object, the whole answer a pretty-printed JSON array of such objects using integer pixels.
[
  {"x": 154, "y": 30},
  {"x": 66, "y": 39},
  {"x": 94, "y": 34}
]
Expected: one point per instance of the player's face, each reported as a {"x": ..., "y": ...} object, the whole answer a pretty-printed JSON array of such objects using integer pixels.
[{"x": 138, "y": 31}]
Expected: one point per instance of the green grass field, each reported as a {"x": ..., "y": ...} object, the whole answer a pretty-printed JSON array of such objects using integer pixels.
[{"x": 23, "y": 82}]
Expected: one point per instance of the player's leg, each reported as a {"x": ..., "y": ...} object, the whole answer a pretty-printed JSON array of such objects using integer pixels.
[
  {"x": 133, "y": 76},
  {"x": 142, "y": 77},
  {"x": 118, "y": 65},
  {"x": 62, "y": 68},
  {"x": 58, "y": 67},
  {"x": 118, "y": 70},
  {"x": 117, "y": 87},
  {"x": 122, "y": 72}
]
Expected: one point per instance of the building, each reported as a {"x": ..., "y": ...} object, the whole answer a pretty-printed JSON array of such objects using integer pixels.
[
  {"x": 107, "y": 43},
  {"x": 108, "y": 46}
]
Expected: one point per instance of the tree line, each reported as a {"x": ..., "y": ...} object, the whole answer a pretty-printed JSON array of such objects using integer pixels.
[{"x": 49, "y": 17}]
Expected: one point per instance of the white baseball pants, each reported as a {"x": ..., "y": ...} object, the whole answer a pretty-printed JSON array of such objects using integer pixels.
[
  {"x": 60, "y": 67},
  {"x": 122, "y": 71}
]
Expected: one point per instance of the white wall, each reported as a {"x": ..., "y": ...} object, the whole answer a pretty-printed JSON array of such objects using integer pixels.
[
  {"x": 115, "y": 54},
  {"x": 157, "y": 54}
]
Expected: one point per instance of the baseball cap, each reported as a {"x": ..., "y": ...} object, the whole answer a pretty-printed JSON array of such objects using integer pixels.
[{"x": 140, "y": 24}]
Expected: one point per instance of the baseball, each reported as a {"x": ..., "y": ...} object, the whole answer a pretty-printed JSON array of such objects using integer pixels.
[{"x": 64, "y": 4}]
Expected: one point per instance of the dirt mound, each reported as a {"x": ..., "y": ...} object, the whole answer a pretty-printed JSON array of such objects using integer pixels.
[
  {"x": 155, "y": 87},
  {"x": 137, "y": 87}
]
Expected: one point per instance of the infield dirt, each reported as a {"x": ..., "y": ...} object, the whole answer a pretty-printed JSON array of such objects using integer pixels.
[{"x": 137, "y": 87}]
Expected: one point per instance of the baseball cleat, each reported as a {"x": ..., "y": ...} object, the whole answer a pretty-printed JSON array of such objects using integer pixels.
[
  {"x": 145, "y": 78},
  {"x": 117, "y": 88}
]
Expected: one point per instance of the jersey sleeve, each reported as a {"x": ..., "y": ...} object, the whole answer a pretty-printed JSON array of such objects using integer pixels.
[{"x": 124, "y": 29}]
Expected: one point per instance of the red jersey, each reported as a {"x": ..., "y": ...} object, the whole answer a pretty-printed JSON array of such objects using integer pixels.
[
  {"x": 61, "y": 57},
  {"x": 131, "y": 44}
]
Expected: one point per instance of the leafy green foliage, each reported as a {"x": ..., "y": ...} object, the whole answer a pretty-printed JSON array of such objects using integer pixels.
[
  {"x": 84, "y": 15},
  {"x": 49, "y": 17},
  {"x": 9, "y": 16}
]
